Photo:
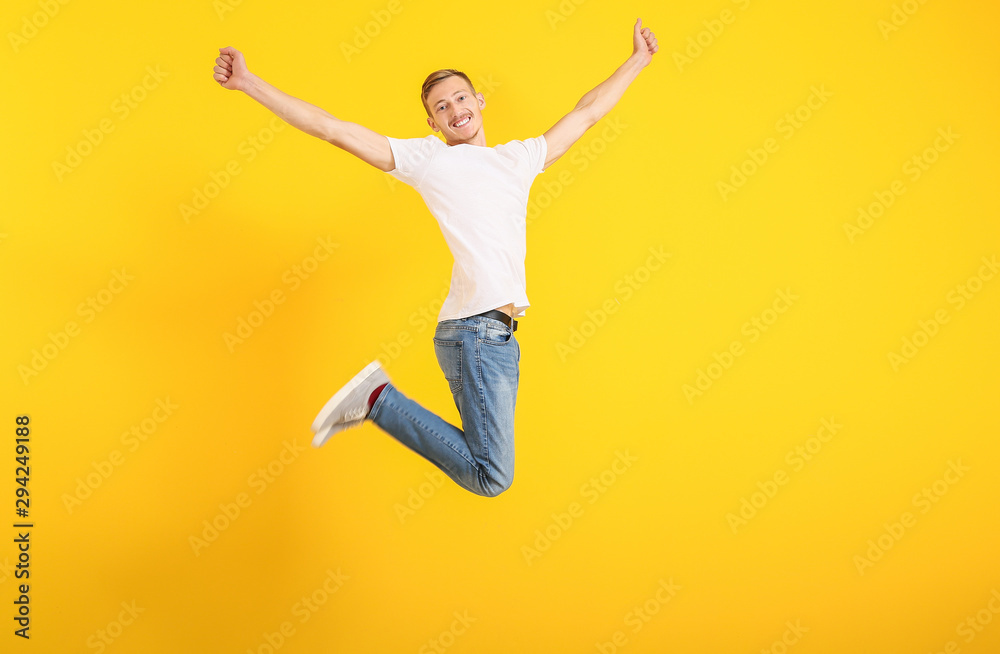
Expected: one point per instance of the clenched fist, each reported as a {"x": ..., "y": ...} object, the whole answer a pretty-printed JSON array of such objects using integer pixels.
[
  {"x": 644, "y": 43},
  {"x": 231, "y": 69}
]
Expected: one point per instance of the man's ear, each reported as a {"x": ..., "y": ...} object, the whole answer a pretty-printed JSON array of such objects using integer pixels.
[
  {"x": 482, "y": 100},
  {"x": 430, "y": 121}
]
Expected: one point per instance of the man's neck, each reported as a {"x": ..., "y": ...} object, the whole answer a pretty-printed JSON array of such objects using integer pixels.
[{"x": 478, "y": 139}]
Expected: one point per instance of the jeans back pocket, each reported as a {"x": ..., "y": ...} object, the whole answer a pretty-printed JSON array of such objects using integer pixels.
[{"x": 449, "y": 356}]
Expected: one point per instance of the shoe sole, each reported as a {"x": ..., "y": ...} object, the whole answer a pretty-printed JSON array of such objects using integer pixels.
[
  {"x": 326, "y": 413},
  {"x": 324, "y": 434}
]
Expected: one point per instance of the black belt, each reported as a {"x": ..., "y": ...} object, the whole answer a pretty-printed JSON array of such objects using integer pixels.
[{"x": 502, "y": 317}]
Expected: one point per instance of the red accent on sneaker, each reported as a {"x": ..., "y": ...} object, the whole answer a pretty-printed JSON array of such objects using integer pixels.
[{"x": 374, "y": 396}]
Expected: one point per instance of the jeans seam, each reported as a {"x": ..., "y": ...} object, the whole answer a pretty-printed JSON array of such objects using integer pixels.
[
  {"x": 481, "y": 415},
  {"x": 468, "y": 328}
]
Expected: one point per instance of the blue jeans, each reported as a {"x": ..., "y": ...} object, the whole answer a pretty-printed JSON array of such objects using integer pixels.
[{"x": 480, "y": 360}]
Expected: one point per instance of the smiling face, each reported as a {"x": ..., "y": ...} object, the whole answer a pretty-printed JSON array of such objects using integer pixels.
[{"x": 456, "y": 112}]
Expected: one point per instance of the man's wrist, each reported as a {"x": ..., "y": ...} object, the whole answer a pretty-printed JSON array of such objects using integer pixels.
[
  {"x": 251, "y": 83},
  {"x": 636, "y": 61}
]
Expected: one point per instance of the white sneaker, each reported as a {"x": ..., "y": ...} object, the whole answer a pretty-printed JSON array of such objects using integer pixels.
[{"x": 349, "y": 407}]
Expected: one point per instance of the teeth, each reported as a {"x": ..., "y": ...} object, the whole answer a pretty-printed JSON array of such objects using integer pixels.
[{"x": 462, "y": 122}]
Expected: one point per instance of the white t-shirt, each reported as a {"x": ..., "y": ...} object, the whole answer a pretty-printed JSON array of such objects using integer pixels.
[{"x": 479, "y": 196}]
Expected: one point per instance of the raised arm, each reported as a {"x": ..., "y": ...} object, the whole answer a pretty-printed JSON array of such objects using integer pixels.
[
  {"x": 599, "y": 101},
  {"x": 231, "y": 73}
]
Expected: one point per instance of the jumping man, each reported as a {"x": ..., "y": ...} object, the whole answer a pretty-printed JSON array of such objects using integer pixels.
[{"x": 479, "y": 196}]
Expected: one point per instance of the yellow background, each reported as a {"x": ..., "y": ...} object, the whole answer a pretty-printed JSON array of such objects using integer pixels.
[{"x": 655, "y": 185}]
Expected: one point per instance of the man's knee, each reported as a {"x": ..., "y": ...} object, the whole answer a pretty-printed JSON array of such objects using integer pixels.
[{"x": 493, "y": 486}]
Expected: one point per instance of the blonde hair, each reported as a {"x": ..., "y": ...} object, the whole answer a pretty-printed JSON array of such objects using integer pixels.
[{"x": 439, "y": 76}]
